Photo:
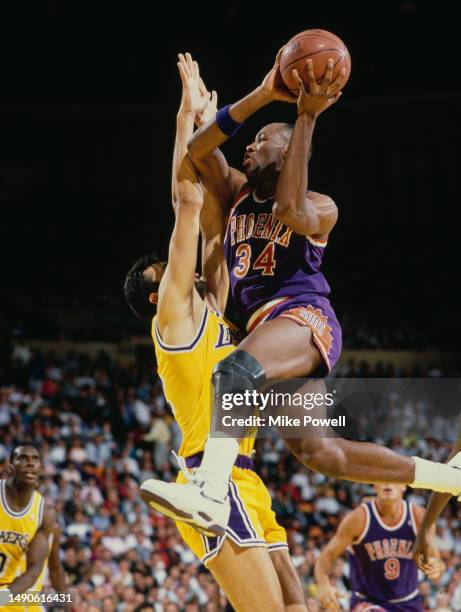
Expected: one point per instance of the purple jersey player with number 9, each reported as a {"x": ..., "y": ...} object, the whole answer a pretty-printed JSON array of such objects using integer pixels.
[{"x": 379, "y": 536}]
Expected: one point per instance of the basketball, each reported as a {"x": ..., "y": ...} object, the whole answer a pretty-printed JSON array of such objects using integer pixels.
[{"x": 319, "y": 45}]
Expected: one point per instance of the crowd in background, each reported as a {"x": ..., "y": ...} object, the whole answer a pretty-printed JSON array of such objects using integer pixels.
[{"x": 104, "y": 428}]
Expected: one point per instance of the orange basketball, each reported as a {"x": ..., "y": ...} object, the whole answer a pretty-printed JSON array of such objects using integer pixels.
[{"x": 318, "y": 45}]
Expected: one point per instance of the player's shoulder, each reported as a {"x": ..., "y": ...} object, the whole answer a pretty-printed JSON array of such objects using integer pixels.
[
  {"x": 360, "y": 513},
  {"x": 326, "y": 208},
  {"x": 356, "y": 521},
  {"x": 48, "y": 518},
  {"x": 176, "y": 313},
  {"x": 181, "y": 331}
]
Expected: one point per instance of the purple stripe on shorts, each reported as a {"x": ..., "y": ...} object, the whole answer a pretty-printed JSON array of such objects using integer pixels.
[
  {"x": 239, "y": 527},
  {"x": 239, "y": 523},
  {"x": 241, "y": 511},
  {"x": 242, "y": 461}
]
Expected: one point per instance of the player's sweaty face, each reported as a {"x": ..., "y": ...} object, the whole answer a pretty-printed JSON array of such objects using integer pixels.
[{"x": 265, "y": 155}]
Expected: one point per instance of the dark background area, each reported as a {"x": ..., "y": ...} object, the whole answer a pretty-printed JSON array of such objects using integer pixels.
[{"x": 89, "y": 94}]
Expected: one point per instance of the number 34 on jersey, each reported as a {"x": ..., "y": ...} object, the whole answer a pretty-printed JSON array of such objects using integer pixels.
[
  {"x": 264, "y": 262},
  {"x": 243, "y": 228}
]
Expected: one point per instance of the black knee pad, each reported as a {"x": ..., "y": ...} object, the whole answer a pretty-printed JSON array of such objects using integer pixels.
[{"x": 237, "y": 373}]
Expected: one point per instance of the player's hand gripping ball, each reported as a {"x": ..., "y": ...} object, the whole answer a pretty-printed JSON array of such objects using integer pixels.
[{"x": 319, "y": 46}]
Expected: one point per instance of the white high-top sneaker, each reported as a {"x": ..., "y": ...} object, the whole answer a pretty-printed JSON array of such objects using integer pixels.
[
  {"x": 456, "y": 463},
  {"x": 193, "y": 503}
]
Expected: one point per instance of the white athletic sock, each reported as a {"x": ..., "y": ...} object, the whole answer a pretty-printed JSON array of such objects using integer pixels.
[
  {"x": 219, "y": 457},
  {"x": 438, "y": 477}
]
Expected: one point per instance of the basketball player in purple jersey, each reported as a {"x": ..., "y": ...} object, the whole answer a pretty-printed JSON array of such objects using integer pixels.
[
  {"x": 275, "y": 238},
  {"x": 379, "y": 537}
]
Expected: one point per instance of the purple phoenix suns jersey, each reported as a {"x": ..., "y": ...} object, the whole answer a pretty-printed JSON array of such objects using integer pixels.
[
  {"x": 382, "y": 570},
  {"x": 266, "y": 259}
]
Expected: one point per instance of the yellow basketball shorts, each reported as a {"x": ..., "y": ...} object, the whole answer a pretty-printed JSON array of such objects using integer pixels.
[{"x": 252, "y": 521}]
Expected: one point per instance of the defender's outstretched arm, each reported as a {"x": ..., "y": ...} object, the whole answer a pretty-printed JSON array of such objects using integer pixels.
[{"x": 176, "y": 291}]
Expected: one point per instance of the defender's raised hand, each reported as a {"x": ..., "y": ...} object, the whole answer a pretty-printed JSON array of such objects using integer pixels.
[
  {"x": 211, "y": 106},
  {"x": 318, "y": 96},
  {"x": 195, "y": 97}
]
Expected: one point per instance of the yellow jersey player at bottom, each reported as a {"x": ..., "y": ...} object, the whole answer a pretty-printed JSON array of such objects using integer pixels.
[
  {"x": 250, "y": 559},
  {"x": 26, "y": 525}
]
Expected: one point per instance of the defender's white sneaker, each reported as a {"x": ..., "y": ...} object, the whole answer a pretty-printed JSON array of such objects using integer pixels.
[{"x": 193, "y": 503}]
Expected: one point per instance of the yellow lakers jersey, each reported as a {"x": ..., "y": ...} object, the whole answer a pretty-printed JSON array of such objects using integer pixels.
[
  {"x": 17, "y": 530},
  {"x": 186, "y": 373}
]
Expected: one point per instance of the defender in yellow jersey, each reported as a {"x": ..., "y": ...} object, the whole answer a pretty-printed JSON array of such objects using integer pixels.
[
  {"x": 17, "y": 530},
  {"x": 185, "y": 372},
  {"x": 26, "y": 522},
  {"x": 190, "y": 337}
]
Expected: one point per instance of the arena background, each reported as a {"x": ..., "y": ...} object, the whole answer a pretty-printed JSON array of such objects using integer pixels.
[{"x": 88, "y": 98}]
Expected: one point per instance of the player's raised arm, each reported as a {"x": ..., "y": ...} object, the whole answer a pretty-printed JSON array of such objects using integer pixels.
[
  {"x": 176, "y": 291},
  {"x": 314, "y": 215},
  {"x": 36, "y": 554},
  {"x": 193, "y": 105},
  {"x": 349, "y": 530},
  {"x": 225, "y": 182},
  {"x": 201, "y": 104}
]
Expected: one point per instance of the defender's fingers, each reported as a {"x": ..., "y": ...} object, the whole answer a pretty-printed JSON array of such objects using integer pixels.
[
  {"x": 202, "y": 88},
  {"x": 182, "y": 73},
  {"x": 190, "y": 62},
  {"x": 183, "y": 63}
]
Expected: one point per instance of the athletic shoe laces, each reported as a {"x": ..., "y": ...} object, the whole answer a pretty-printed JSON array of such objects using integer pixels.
[{"x": 181, "y": 461}]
